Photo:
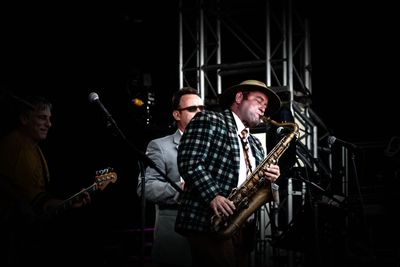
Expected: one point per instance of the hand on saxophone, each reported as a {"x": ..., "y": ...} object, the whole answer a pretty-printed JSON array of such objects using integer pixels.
[
  {"x": 272, "y": 172},
  {"x": 222, "y": 206},
  {"x": 182, "y": 183}
]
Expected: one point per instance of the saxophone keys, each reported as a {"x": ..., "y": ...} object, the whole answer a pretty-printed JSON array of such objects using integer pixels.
[
  {"x": 233, "y": 192},
  {"x": 244, "y": 203}
]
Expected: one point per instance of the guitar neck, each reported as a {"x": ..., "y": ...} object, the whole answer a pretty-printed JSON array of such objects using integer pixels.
[
  {"x": 103, "y": 178},
  {"x": 67, "y": 203}
]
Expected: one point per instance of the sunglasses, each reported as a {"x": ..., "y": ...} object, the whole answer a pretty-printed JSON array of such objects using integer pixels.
[{"x": 192, "y": 108}]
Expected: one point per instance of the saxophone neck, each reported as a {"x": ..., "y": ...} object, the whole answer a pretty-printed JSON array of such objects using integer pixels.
[{"x": 292, "y": 125}]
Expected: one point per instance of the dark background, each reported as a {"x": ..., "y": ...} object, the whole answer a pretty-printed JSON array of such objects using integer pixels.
[{"x": 67, "y": 51}]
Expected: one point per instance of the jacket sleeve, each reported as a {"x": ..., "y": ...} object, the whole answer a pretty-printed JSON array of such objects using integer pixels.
[{"x": 157, "y": 188}]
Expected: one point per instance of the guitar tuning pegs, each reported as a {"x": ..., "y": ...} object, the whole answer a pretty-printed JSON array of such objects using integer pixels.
[
  {"x": 99, "y": 172},
  {"x": 104, "y": 171}
]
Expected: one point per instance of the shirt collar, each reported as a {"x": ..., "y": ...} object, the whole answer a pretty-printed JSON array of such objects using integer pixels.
[{"x": 239, "y": 124}]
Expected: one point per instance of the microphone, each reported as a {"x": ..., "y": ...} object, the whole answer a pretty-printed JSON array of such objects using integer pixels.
[
  {"x": 282, "y": 131},
  {"x": 333, "y": 139},
  {"x": 94, "y": 98}
]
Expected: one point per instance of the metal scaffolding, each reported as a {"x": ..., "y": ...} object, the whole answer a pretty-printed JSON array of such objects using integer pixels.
[
  {"x": 221, "y": 42},
  {"x": 224, "y": 42}
]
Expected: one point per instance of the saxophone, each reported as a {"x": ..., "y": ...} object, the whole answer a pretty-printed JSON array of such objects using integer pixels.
[{"x": 256, "y": 190}]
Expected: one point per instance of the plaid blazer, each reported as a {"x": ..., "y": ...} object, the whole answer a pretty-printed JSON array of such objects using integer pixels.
[{"x": 208, "y": 161}]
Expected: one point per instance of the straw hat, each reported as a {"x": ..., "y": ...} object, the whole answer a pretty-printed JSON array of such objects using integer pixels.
[{"x": 227, "y": 97}]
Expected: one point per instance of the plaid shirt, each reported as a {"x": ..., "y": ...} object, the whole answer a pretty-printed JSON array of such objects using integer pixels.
[{"x": 208, "y": 161}]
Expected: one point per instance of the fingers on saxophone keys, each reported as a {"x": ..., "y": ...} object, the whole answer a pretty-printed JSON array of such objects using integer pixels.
[
  {"x": 225, "y": 208},
  {"x": 272, "y": 173},
  {"x": 230, "y": 206},
  {"x": 216, "y": 212}
]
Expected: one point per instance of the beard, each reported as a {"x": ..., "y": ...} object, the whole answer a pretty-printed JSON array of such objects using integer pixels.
[{"x": 251, "y": 120}]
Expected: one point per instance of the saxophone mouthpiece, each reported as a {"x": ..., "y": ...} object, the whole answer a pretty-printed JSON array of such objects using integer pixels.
[{"x": 264, "y": 119}]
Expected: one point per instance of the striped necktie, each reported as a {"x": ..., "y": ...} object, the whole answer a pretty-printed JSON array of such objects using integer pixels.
[{"x": 246, "y": 148}]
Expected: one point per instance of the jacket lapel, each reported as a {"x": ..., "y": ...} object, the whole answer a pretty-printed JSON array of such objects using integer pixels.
[
  {"x": 233, "y": 139},
  {"x": 177, "y": 138}
]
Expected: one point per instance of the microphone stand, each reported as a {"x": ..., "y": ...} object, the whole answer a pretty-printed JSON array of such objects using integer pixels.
[
  {"x": 361, "y": 199},
  {"x": 316, "y": 247},
  {"x": 142, "y": 171},
  {"x": 142, "y": 156},
  {"x": 143, "y": 159}
]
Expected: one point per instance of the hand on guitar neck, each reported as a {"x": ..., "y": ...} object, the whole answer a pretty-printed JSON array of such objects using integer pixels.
[
  {"x": 82, "y": 200},
  {"x": 83, "y": 197}
]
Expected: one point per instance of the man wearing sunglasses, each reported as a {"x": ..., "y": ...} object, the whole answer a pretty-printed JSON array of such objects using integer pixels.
[
  {"x": 169, "y": 247},
  {"x": 212, "y": 163}
]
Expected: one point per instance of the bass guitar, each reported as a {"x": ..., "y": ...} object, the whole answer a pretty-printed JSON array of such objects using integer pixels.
[{"x": 102, "y": 179}]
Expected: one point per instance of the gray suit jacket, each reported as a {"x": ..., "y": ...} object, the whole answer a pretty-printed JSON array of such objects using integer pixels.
[{"x": 168, "y": 246}]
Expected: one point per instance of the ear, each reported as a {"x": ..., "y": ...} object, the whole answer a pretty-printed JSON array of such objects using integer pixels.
[
  {"x": 23, "y": 118},
  {"x": 177, "y": 115},
  {"x": 239, "y": 97}
]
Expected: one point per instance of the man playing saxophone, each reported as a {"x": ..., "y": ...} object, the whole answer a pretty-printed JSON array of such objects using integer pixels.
[{"x": 212, "y": 161}]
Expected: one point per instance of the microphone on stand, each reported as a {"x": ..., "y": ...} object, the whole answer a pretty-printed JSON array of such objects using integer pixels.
[
  {"x": 94, "y": 98},
  {"x": 280, "y": 131},
  {"x": 332, "y": 140}
]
